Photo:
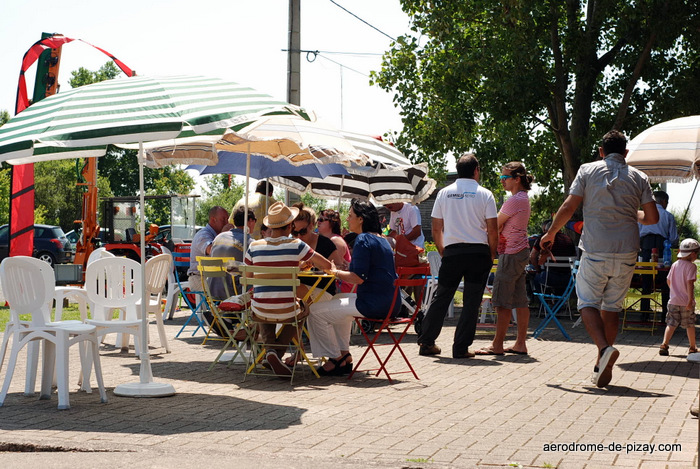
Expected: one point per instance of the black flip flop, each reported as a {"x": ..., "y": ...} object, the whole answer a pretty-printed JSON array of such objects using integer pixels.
[{"x": 517, "y": 352}]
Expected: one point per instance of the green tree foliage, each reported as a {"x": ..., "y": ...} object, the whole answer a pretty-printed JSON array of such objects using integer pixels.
[
  {"x": 539, "y": 81},
  {"x": 217, "y": 192},
  {"x": 83, "y": 76},
  {"x": 58, "y": 195}
]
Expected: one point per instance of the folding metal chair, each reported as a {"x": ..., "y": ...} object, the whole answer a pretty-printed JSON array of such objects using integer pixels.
[
  {"x": 554, "y": 303},
  {"x": 635, "y": 295},
  {"x": 228, "y": 324},
  {"x": 274, "y": 278},
  {"x": 385, "y": 324},
  {"x": 549, "y": 285},
  {"x": 195, "y": 300}
]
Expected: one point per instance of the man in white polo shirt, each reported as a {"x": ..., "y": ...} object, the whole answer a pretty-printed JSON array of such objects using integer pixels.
[{"x": 465, "y": 231}]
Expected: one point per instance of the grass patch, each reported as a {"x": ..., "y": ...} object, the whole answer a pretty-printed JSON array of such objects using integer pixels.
[{"x": 70, "y": 312}]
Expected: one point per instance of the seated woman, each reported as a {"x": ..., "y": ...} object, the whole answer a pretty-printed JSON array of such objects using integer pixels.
[
  {"x": 304, "y": 225},
  {"x": 329, "y": 226},
  {"x": 372, "y": 269}
]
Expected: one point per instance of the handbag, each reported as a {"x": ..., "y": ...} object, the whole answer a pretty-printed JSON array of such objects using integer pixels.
[{"x": 406, "y": 253}]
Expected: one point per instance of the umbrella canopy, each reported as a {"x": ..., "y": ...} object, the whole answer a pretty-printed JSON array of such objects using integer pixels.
[
  {"x": 291, "y": 134},
  {"x": 262, "y": 167},
  {"x": 82, "y": 121},
  {"x": 668, "y": 152},
  {"x": 388, "y": 177}
]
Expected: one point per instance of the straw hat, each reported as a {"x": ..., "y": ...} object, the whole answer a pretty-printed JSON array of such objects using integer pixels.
[{"x": 279, "y": 215}]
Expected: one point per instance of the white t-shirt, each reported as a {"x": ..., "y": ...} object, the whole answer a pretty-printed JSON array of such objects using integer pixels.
[
  {"x": 404, "y": 220},
  {"x": 465, "y": 206}
]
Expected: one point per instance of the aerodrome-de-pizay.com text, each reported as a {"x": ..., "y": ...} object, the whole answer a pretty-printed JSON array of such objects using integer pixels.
[{"x": 613, "y": 447}]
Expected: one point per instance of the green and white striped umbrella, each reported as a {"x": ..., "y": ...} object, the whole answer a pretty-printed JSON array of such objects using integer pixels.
[{"x": 81, "y": 122}]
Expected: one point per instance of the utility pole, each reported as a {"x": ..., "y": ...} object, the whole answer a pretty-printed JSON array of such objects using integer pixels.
[
  {"x": 294, "y": 53},
  {"x": 293, "y": 67}
]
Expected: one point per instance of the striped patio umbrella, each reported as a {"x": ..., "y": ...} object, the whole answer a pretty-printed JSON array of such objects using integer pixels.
[
  {"x": 291, "y": 134},
  {"x": 83, "y": 121},
  {"x": 668, "y": 152},
  {"x": 296, "y": 143},
  {"x": 388, "y": 177}
]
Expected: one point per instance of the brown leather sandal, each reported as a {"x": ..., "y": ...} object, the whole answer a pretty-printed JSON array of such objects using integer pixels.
[{"x": 663, "y": 350}]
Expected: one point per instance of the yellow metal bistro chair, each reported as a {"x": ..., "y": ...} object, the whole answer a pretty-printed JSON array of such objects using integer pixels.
[
  {"x": 275, "y": 277},
  {"x": 229, "y": 324},
  {"x": 635, "y": 295}
]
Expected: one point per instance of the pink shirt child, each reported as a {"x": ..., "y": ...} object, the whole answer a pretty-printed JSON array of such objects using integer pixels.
[{"x": 682, "y": 271}]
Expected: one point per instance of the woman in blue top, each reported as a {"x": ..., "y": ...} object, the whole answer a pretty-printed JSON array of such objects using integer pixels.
[{"x": 372, "y": 270}]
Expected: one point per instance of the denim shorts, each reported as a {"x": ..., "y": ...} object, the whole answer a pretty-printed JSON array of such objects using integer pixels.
[
  {"x": 604, "y": 279},
  {"x": 680, "y": 316},
  {"x": 509, "y": 289}
]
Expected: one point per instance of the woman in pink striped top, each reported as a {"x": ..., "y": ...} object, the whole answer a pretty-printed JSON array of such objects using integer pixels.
[{"x": 509, "y": 291}]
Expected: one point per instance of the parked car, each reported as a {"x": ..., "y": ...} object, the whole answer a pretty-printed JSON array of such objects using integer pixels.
[
  {"x": 73, "y": 237},
  {"x": 50, "y": 244},
  {"x": 176, "y": 233}
]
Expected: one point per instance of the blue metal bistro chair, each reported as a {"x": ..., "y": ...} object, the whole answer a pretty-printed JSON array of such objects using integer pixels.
[{"x": 554, "y": 303}]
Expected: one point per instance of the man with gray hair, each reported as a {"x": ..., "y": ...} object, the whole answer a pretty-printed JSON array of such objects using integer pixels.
[{"x": 202, "y": 242}]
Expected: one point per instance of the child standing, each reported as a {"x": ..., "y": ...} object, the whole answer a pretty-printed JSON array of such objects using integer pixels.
[{"x": 681, "y": 303}]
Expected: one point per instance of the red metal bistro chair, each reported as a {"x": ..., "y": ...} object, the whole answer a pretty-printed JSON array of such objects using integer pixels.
[{"x": 405, "y": 280}]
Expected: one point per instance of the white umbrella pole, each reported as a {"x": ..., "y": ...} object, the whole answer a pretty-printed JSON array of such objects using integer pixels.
[
  {"x": 145, "y": 387},
  {"x": 342, "y": 183},
  {"x": 245, "y": 210}
]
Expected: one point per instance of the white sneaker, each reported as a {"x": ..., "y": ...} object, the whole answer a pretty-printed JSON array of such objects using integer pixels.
[
  {"x": 594, "y": 377},
  {"x": 605, "y": 365}
]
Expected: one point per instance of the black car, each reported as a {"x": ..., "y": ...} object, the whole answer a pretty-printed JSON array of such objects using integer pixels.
[{"x": 50, "y": 244}]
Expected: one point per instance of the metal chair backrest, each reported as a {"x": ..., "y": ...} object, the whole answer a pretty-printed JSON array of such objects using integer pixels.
[
  {"x": 216, "y": 267},
  {"x": 25, "y": 288},
  {"x": 113, "y": 282},
  {"x": 285, "y": 278}
]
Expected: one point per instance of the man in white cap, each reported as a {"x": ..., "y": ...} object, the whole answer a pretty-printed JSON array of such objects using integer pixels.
[{"x": 280, "y": 250}]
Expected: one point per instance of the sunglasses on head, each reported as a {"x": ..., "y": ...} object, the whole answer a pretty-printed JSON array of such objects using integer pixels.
[
  {"x": 301, "y": 232},
  {"x": 503, "y": 177}
]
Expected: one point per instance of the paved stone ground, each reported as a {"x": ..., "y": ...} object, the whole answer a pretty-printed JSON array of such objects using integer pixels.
[{"x": 483, "y": 412}]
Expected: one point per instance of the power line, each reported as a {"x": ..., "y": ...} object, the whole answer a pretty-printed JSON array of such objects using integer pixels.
[{"x": 365, "y": 22}]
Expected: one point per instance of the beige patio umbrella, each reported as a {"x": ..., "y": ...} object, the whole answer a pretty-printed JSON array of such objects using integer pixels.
[{"x": 669, "y": 152}]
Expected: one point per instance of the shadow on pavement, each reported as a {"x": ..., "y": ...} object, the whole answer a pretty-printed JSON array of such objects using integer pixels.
[
  {"x": 663, "y": 367},
  {"x": 622, "y": 391},
  {"x": 181, "y": 413}
]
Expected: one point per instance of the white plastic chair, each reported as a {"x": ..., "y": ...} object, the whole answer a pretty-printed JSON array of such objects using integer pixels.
[
  {"x": 78, "y": 294},
  {"x": 25, "y": 288},
  {"x": 157, "y": 269},
  {"x": 435, "y": 262},
  {"x": 171, "y": 296},
  {"x": 115, "y": 283}
]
